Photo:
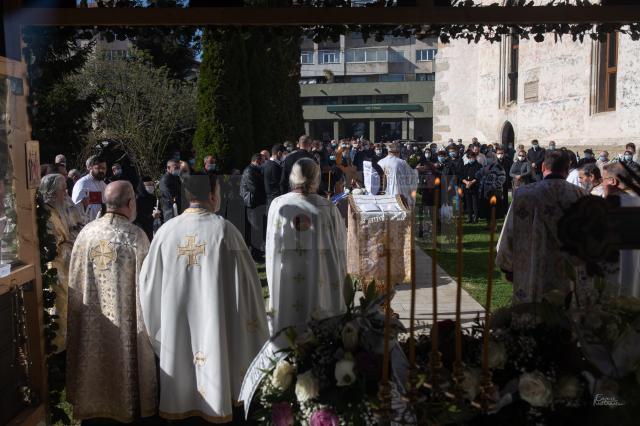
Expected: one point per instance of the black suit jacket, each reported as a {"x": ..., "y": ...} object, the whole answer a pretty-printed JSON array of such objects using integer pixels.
[
  {"x": 272, "y": 172},
  {"x": 287, "y": 165},
  {"x": 170, "y": 190}
]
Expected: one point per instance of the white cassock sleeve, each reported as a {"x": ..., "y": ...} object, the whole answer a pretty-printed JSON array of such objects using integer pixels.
[{"x": 150, "y": 290}]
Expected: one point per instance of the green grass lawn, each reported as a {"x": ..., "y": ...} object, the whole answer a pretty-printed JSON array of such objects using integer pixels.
[{"x": 474, "y": 264}]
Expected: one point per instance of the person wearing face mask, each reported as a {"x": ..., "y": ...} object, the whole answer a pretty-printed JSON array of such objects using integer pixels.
[
  {"x": 379, "y": 152},
  {"x": 552, "y": 146},
  {"x": 116, "y": 173},
  {"x": 535, "y": 155},
  {"x": 111, "y": 368},
  {"x": 627, "y": 158},
  {"x": 520, "y": 171},
  {"x": 210, "y": 166},
  {"x": 365, "y": 154},
  {"x": 587, "y": 158},
  {"x": 603, "y": 158},
  {"x": 272, "y": 172},
  {"x": 505, "y": 162},
  {"x": 171, "y": 191},
  {"x": 146, "y": 203},
  {"x": 631, "y": 147},
  {"x": 89, "y": 189}
]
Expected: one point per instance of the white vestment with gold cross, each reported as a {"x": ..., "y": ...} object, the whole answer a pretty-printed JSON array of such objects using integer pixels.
[
  {"x": 204, "y": 310},
  {"x": 306, "y": 260}
]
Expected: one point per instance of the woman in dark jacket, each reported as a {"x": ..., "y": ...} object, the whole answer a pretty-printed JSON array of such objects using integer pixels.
[{"x": 146, "y": 202}]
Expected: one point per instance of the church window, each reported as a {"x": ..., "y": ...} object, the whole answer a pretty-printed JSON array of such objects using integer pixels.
[
  {"x": 607, "y": 68},
  {"x": 513, "y": 69}
]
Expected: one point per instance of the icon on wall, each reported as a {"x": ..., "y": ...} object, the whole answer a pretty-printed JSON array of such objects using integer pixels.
[{"x": 33, "y": 164}]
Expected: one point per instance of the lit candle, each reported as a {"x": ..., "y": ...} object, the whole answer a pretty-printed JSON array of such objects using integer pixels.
[
  {"x": 486, "y": 375},
  {"x": 458, "y": 360},
  {"x": 384, "y": 389},
  {"x": 412, "y": 345},
  {"x": 434, "y": 357}
]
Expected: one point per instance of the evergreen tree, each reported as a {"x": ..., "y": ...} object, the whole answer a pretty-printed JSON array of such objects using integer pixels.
[
  {"x": 224, "y": 126},
  {"x": 59, "y": 119}
]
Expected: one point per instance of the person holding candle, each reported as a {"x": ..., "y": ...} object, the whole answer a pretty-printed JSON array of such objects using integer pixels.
[
  {"x": 529, "y": 251},
  {"x": 471, "y": 186}
]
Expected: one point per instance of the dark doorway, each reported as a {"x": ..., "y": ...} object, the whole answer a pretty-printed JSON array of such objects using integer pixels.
[{"x": 508, "y": 135}]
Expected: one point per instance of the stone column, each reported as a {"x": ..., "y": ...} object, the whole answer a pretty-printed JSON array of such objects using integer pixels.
[
  {"x": 372, "y": 130},
  {"x": 336, "y": 130},
  {"x": 412, "y": 127},
  {"x": 405, "y": 129},
  {"x": 307, "y": 128}
]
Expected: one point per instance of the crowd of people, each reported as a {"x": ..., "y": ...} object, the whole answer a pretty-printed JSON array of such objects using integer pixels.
[{"x": 153, "y": 275}]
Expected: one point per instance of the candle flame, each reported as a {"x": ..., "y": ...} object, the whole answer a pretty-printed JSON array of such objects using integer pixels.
[
  {"x": 493, "y": 201},
  {"x": 437, "y": 181},
  {"x": 460, "y": 192}
]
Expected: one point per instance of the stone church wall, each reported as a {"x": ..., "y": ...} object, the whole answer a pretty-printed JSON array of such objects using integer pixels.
[{"x": 468, "y": 89}]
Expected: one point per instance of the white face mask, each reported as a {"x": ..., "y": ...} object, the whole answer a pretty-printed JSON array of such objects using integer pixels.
[
  {"x": 520, "y": 158},
  {"x": 150, "y": 189},
  {"x": 378, "y": 152},
  {"x": 500, "y": 156}
]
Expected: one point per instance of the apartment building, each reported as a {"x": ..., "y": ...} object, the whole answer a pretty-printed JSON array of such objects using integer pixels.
[{"x": 378, "y": 90}]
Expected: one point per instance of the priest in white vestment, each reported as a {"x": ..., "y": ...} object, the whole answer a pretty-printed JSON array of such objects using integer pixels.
[
  {"x": 111, "y": 369},
  {"x": 306, "y": 258},
  {"x": 203, "y": 307},
  {"x": 401, "y": 179},
  {"x": 529, "y": 248}
]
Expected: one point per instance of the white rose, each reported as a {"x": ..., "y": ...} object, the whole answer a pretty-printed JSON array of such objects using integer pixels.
[
  {"x": 471, "y": 383},
  {"x": 307, "y": 387},
  {"x": 568, "y": 387},
  {"x": 350, "y": 336},
  {"x": 535, "y": 389},
  {"x": 282, "y": 375},
  {"x": 344, "y": 373},
  {"x": 497, "y": 354}
]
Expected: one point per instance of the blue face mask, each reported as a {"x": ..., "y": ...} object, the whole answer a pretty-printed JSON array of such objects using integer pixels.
[
  {"x": 176, "y": 172},
  {"x": 192, "y": 162},
  {"x": 211, "y": 167},
  {"x": 603, "y": 158},
  {"x": 587, "y": 156},
  {"x": 441, "y": 158},
  {"x": 117, "y": 172},
  {"x": 453, "y": 154},
  {"x": 332, "y": 157},
  {"x": 628, "y": 158}
]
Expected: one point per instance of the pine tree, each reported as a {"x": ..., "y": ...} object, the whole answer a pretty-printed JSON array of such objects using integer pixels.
[{"x": 224, "y": 126}]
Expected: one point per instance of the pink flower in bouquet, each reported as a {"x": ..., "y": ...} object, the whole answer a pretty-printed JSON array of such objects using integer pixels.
[
  {"x": 323, "y": 417},
  {"x": 281, "y": 414}
]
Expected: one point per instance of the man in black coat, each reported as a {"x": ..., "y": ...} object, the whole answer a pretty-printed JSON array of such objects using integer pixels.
[
  {"x": 272, "y": 172},
  {"x": 471, "y": 186},
  {"x": 145, "y": 206},
  {"x": 171, "y": 190},
  {"x": 505, "y": 161},
  {"x": 304, "y": 146},
  {"x": 535, "y": 155},
  {"x": 253, "y": 193}
]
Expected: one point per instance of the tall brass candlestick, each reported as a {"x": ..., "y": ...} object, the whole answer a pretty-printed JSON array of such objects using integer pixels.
[
  {"x": 486, "y": 384},
  {"x": 329, "y": 191},
  {"x": 384, "y": 393},
  {"x": 434, "y": 358},
  {"x": 458, "y": 367}
]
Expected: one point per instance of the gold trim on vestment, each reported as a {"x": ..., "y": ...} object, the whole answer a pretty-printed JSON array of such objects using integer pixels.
[{"x": 196, "y": 413}]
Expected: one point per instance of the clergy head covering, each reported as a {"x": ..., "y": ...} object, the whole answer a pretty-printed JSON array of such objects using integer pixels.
[
  {"x": 49, "y": 186},
  {"x": 198, "y": 186},
  {"x": 305, "y": 176}
]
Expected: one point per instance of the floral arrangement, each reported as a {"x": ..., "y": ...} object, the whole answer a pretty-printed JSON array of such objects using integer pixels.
[
  {"x": 330, "y": 372},
  {"x": 548, "y": 363}
]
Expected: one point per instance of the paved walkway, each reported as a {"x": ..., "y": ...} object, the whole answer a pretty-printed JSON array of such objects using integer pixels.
[{"x": 446, "y": 288}]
